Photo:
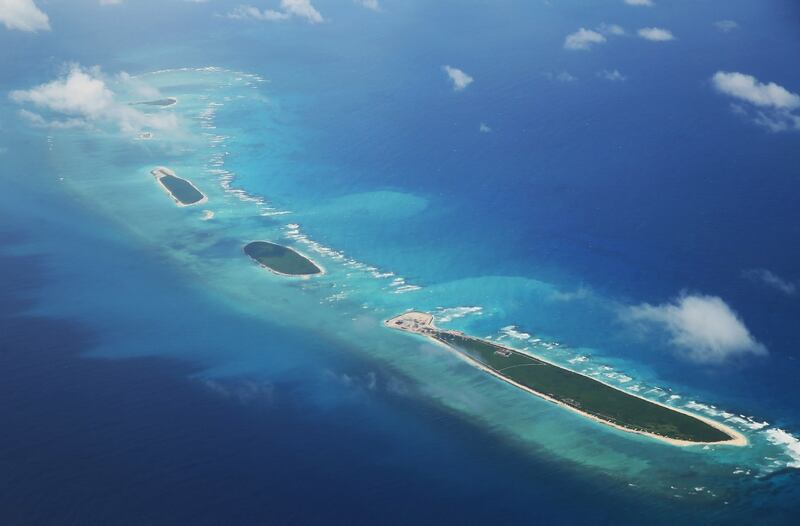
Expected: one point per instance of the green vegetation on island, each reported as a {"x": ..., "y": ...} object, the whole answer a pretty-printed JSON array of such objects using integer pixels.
[
  {"x": 181, "y": 189},
  {"x": 585, "y": 393},
  {"x": 572, "y": 389},
  {"x": 280, "y": 259},
  {"x": 169, "y": 101}
]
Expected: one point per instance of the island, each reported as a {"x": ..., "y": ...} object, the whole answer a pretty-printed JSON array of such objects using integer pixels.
[
  {"x": 183, "y": 192},
  {"x": 169, "y": 101},
  {"x": 282, "y": 260},
  {"x": 575, "y": 391}
]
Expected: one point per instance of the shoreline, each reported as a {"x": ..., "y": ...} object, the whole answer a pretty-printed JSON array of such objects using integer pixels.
[
  {"x": 321, "y": 272},
  {"x": 737, "y": 439},
  {"x": 160, "y": 171}
]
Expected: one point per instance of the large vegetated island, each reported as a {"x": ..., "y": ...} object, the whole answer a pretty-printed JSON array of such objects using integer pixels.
[
  {"x": 574, "y": 390},
  {"x": 281, "y": 260}
]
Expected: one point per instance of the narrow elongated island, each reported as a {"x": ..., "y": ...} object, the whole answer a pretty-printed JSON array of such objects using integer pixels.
[
  {"x": 281, "y": 260},
  {"x": 168, "y": 101},
  {"x": 182, "y": 191},
  {"x": 575, "y": 391}
]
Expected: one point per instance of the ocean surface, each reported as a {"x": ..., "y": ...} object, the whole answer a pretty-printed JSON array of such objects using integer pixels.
[{"x": 150, "y": 373}]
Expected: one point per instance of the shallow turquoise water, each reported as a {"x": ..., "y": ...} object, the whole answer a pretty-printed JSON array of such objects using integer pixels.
[
  {"x": 348, "y": 304},
  {"x": 516, "y": 235}
]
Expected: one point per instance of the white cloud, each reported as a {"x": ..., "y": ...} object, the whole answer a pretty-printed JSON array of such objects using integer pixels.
[
  {"x": 484, "y": 128},
  {"x": 726, "y": 25},
  {"x": 563, "y": 76},
  {"x": 302, "y": 9},
  {"x": 289, "y": 9},
  {"x": 640, "y": 3},
  {"x": 369, "y": 4},
  {"x": 81, "y": 92},
  {"x": 82, "y": 97},
  {"x": 37, "y": 120},
  {"x": 581, "y": 293},
  {"x": 611, "y": 29},
  {"x": 777, "y": 121},
  {"x": 243, "y": 12},
  {"x": 583, "y": 39},
  {"x": 23, "y": 15},
  {"x": 656, "y": 34},
  {"x": 612, "y": 75},
  {"x": 459, "y": 79},
  {"x": 703, "y": 328},
  {"x": 137, "y": 87},
  {"x": 771, "y": 280},
  {"x": 771, "y": 105},
  {"x": 749, "y": 89},
  {"x": 110, "y": 2}
]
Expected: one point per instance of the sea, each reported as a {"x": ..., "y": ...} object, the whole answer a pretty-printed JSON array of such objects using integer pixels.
[{"x": 150, "y": 373}]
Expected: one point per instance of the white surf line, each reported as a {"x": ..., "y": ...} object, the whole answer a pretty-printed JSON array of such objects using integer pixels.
[
  {"x": 216, "y": 163},
  {"x": 226, "y": 178},
  {"x": 293, "y": 232}
]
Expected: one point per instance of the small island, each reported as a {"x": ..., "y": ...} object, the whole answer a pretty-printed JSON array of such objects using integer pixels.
[
  {"x": 169, "y": 101},
  {"x": 281, "y": 260},
  {"x": 575, "y": 391},
  {"x": 183, "y": 192}
]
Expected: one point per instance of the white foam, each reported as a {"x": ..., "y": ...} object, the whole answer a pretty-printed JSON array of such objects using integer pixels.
[
  {"x": 703, "y": 408},
  {"x": 790, "y": 443},
  {"x": 292, "y": 231},
  {"x": 406, "y": 288},
  {"x": 656, "y": 391},
  {"x": 747, "y": 422},
  {"x": 216, "y": 164},
  {"x": 512, "y": 332},
  {"x": 445, "y": 315},
  {"x": 619, "y": 377},
  {"x": 339, "y": 296}
]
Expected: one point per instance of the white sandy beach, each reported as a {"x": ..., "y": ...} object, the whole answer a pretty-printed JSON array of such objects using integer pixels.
[{"x": 161, "y": 171}]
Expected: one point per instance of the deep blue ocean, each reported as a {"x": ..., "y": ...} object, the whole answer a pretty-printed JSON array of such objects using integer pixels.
[{"x": 149, "y": 374}]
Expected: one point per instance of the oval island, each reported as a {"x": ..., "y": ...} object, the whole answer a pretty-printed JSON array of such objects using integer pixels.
[
  {"x": 182, "y": 191},
  {"x": 281, "y": 260},
  {"x": 573, "y": 390}
]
